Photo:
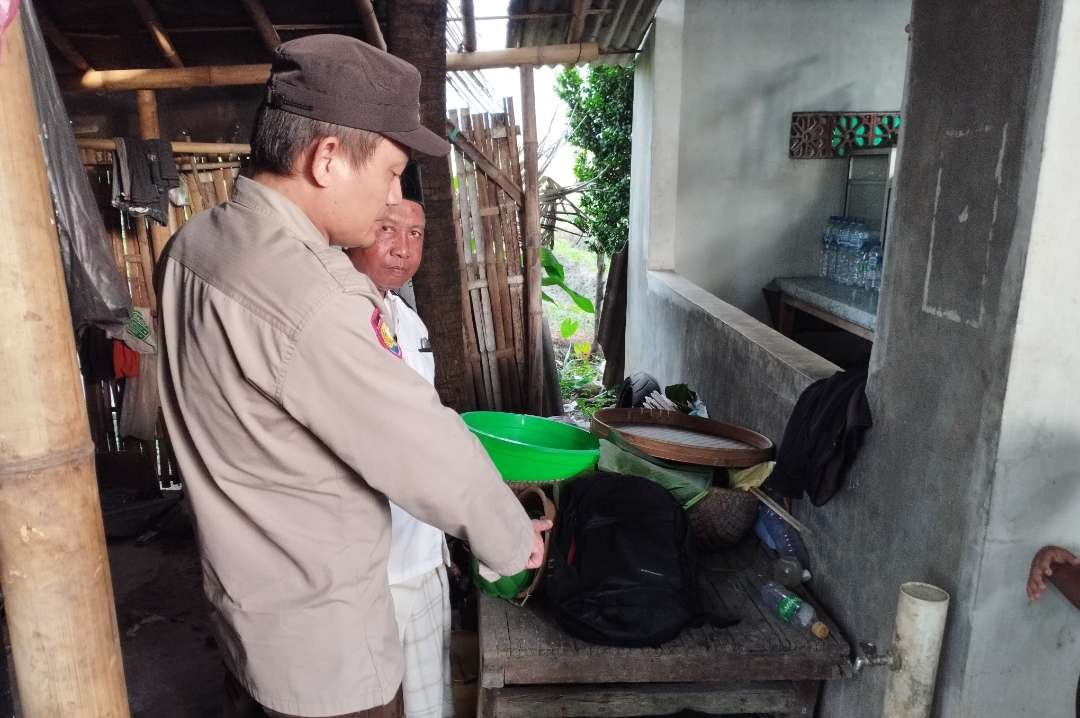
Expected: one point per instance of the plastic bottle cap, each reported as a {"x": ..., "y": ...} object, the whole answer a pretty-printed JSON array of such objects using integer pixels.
[{"x": 820, "y": 630}]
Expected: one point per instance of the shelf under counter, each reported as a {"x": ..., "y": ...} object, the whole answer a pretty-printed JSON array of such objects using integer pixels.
[{"x": 853, "y": 309}]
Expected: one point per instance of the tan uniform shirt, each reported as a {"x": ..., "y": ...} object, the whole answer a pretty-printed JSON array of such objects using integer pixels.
[{"x": 292, "y": 421}]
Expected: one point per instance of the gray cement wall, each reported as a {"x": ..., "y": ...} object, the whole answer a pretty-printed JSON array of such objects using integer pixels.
[
  {"x": 746, "y": 212},
  {"x": 971, "y": 465},
  {"x": 1031, "y": 653}
]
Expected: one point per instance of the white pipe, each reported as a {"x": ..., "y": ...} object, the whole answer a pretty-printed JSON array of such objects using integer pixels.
[{"x": 920, "y": 626}]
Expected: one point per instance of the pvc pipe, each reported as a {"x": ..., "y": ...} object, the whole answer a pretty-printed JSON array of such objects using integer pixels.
[{"x": 920, "y": 626}]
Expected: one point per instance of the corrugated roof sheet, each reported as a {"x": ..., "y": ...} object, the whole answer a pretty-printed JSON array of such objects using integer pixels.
[{"x": 618, "y": 26}]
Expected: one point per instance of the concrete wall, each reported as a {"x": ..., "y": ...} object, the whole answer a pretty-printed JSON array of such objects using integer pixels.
[
  {"x": 971, "y": 465},
  {"x": 1032, "y": 651},
  {"x": 747, "y": 213}
]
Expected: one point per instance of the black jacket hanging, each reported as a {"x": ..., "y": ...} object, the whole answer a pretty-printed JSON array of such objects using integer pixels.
[{"x": 822, "y": 436}]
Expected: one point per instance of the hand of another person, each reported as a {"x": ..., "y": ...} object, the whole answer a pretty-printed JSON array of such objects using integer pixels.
[
  {"x": 536, "y": 556},
  {"x": 1042, "y": 568}
]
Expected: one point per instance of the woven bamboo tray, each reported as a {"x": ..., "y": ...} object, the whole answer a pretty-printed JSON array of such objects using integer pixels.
[{"x": 674, "y": 436}]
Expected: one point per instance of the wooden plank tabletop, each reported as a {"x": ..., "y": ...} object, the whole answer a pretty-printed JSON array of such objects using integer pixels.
[{"x": 524, "y": 646}]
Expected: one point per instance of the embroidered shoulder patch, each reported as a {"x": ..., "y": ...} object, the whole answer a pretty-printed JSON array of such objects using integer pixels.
[{"x": 384, "y": 335}]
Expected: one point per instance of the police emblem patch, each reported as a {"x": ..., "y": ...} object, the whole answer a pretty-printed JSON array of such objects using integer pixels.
[{"x": 384, "y": 335}]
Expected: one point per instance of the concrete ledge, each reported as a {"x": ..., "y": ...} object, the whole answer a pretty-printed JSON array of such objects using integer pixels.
[
  {"x": 746, "y": 372},
  {"x": 767, "y": 339}
]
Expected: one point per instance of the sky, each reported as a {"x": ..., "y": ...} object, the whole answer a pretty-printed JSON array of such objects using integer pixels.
[{"x": 550, "y": 110}]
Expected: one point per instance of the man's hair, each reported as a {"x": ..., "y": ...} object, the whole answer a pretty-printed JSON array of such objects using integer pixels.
[{"x": 279, "y": 137}]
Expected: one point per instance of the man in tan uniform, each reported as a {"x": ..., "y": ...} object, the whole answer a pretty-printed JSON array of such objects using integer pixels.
[{"x": 292, "y": 417}]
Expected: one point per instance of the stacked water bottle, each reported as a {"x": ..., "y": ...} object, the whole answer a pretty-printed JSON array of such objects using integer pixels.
[{"x": 851, "y": 253}]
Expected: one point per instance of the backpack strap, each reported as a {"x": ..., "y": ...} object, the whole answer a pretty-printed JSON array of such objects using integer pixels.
[{"x": 549, "y": 514}]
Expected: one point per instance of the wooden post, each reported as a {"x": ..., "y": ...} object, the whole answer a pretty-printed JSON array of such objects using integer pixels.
[
  {"x": 55, "y": 577},
  {"x": 468, "y": 17},
  {"x": 149, "y": 129},
  {"x": 531, "y": 225},
  {"x": 146, "y": 104}
]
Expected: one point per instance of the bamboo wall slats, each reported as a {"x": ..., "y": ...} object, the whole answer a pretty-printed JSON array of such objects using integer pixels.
[
  {"x": 487, "y": 220},
  {"x": 209, "y": 180}
]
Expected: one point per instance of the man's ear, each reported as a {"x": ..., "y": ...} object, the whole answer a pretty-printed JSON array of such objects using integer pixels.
[{"x": 326, "y": 153}]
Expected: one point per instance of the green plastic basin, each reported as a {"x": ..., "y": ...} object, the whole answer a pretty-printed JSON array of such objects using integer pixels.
[{"x": 529, "y": 448}]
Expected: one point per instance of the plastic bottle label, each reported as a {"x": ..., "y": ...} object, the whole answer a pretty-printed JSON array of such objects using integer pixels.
[{"x": 788, "y": 607}]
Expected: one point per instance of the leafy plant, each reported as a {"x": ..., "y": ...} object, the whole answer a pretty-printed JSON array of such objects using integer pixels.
[
  {"x": 568, "y": 328},
  {"x": 600, "y": 119},
  {"x": 555, "y": 276},
  {"x": 579, "y": 380}
]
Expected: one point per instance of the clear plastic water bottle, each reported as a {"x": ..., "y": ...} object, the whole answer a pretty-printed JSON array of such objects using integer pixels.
[
  {"x": 875, "y": 269},
  {"x": 826, "y": 247},
  {"x": 789, "y": 572},
  {"x": 792, "y": 609}
]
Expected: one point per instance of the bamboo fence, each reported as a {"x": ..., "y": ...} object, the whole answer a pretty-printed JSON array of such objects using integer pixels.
[
  {"x": 209, "y": 180},
  {"x": 487, "y": 221}
]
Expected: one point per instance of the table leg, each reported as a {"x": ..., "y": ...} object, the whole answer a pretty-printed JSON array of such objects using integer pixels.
[
  {"x": 786, "y": 320},
  {"x": 806, "y": 697},
  {"x": 485, "y": 703}
]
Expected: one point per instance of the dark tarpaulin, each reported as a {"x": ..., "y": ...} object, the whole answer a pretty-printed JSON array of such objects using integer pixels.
[
  {"x": 97, "y": 293},
  {"x": 611, "y": 334}
]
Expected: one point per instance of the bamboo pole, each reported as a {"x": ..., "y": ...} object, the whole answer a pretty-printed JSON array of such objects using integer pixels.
[
  {"x": 149, "y": 129},
  {"x": 496, "y": 263},
  {"x": 477, "y": 157},
  {"x": 577, "y": 24},
  {"x": 468, "y": 17},
  {"x": 511, "y": 216},
  {"x": 146, "y": 106},
  {"x": 223, "y": 75},
  {"x": 468, "y": 325},
  {"x": 372, "y": 31},
  {"x": 487, "y": 300},
  {"x": 55, "y": 580},
  {"x": 178, "y": 148},
  {"x": 531, "y": 229},
  {"x": 62, "y": 44},
  {"x": 263, "y": 24},
  {"x": 572, "y": 54},
  {"x": 157, "y": 31}
]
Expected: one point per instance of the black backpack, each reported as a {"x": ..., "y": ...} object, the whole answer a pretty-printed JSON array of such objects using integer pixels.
[{"x": 621, "y": 566}]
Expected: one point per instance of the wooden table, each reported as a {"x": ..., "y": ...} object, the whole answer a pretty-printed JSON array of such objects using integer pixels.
[
  {"x": 852, "y": 309},
  {"x": 529, "y": 668}
]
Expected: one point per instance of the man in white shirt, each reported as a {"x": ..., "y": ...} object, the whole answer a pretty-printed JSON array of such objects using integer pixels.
[{"x": 417, "y": 566}]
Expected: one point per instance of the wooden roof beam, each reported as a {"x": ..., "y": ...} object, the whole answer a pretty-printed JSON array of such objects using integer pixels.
[
  {"x": 263, "y": 24},
  {"x": 468, "y": 17},
  {"x": 157, "y": 31},
  {"x": 222, "y": 75},
  {"x": 372, "y": 31},
  {"x": 180, "y": 148},
  {"x": 62, "y": 44}
]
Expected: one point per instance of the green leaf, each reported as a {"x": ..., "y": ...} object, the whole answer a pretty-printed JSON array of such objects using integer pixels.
[
  {"x": 568, "y": 328},
  {"x": 547, "y": 297},
  {"x": 583, "y": 303},
  {"x": 550, "y": 281},
  {"x": 583, "y": 349},
  {"x": 551, "y": 265}
]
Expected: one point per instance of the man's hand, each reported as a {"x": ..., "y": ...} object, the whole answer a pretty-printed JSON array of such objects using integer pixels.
[
  {"x": 1042, "y": 568},
  {"x": 536, "y": 556}
]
